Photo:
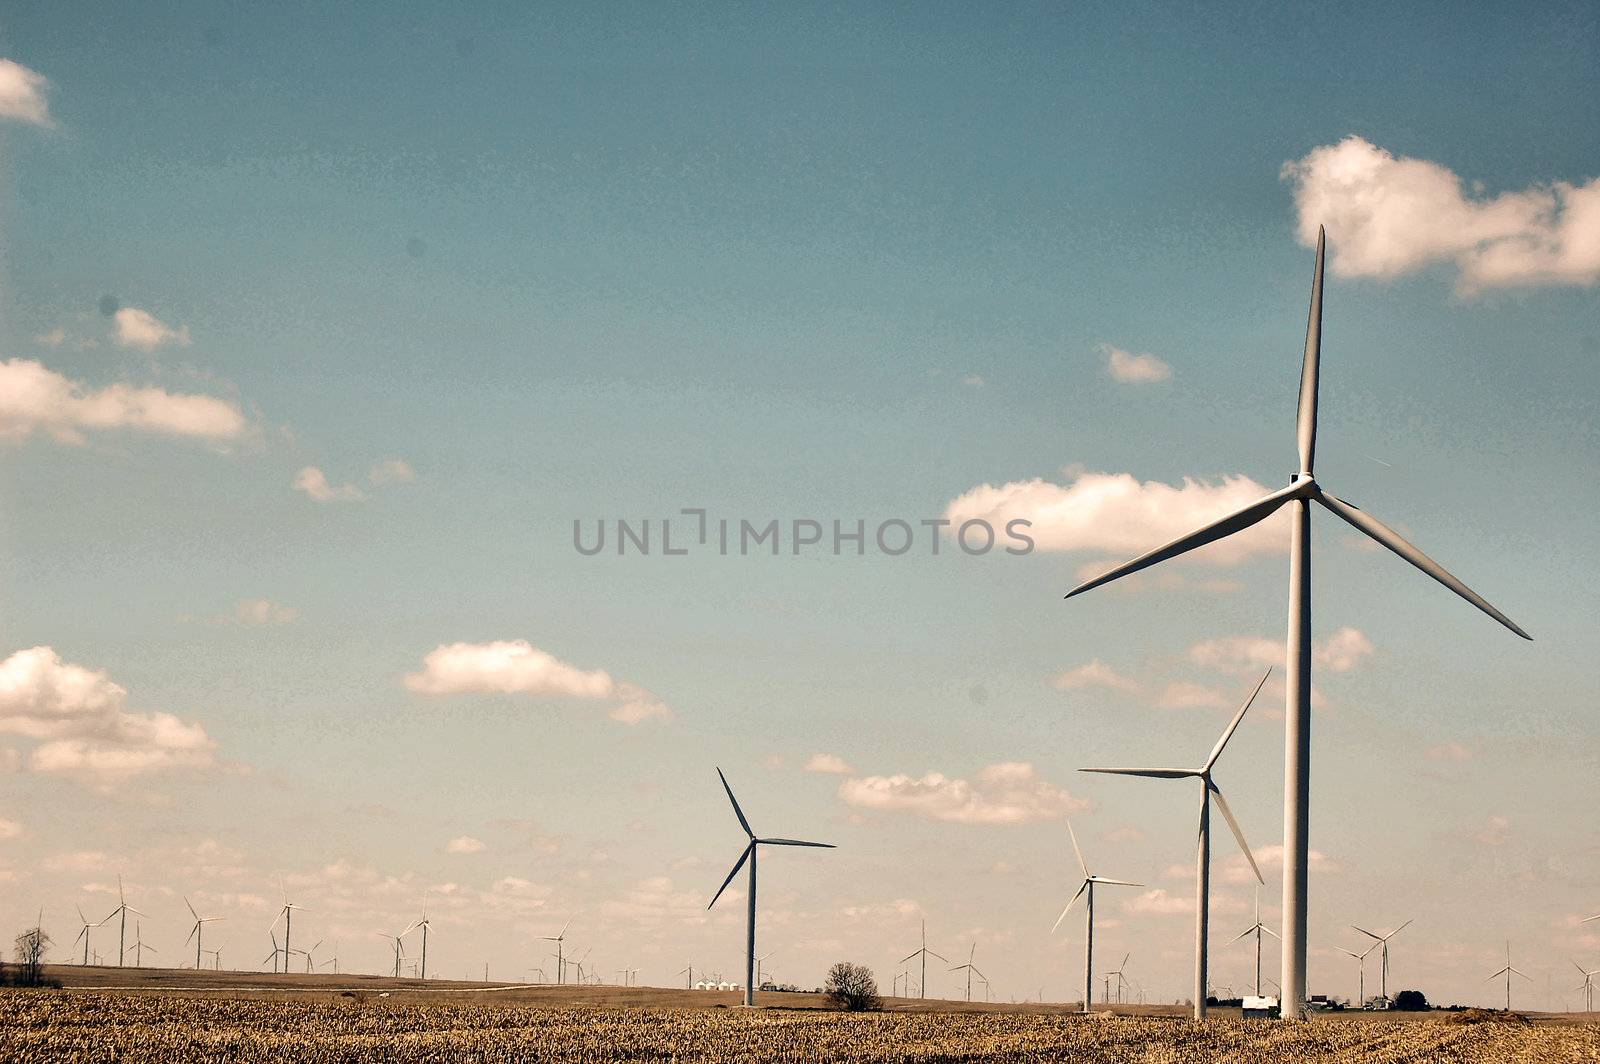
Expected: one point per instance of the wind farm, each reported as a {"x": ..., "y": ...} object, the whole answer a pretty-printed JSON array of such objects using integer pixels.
[{"x": 437, "y": 442}]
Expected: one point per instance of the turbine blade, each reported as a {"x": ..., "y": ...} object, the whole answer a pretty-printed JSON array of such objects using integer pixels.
[
  {"x": 1073, "y": 835},
  {"x": 1226, "y": 525},
  {"x": 743, "y": 857},
  {"x": 1151, "y": 773},
  {"x": 1238, "y": 835},
  {"x": 192, "y": 932},
  {"x": 1216, "y": 751},
  {"x": 1116, "y": 882},
  {"x": 1274, "y": 934},
  {"x": 941, "y": 957},
  {"x": 1399, "y": 929},
  {"x": 1081, "y": 888},
  {"x": 1381, "y": 532},
  {"x": 736, "y": 810},
  {"x": 906, "y": 958},
  {"x": 797, "y": 842},
  {"x": 1524, "y": 975},
  {"x": 1306, "y": 416},
  {"x": 1581, "y": 972},
  {"x": 191, "y": 909},
  {"x": 1341, "y": 949},
  {"x": 1498, "y": 974},
  {"x": 1369, "y": 934},
  {"x": 1250, "y": 930}
]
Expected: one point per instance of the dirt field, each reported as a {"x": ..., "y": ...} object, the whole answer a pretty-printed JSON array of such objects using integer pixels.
[{"x": 156, "y": 1015}]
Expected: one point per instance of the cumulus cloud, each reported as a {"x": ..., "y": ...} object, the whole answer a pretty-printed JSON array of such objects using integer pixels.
[
  {"x": 260, "y": 612},
  {"x": 1117, "y": 514},
  {"x": 1158, "y": 902},
  {"x": 1007, "y": 793},
  {"x": 1388, "y": 216},
  {"x": 36, "y": 399},
  {"x": 391, "y": 471},
  {"x": 464, "y": 844},
  {"x": 22, "y": 94},
  {"x": 1181, "y": 694},
  {"x": 1339, "y": 652},
  {"x": 1134, "y": 369},
  {"x": 139, "y": 328},
  {"x": 10, "y": 829},
  {"x": 314, "y": 482},
  {"x": 79, "y": 715},
  {"x": 1094, "y": 674},
  {"x": 829, "y": 763},
  {"x": 517, "y": 667}
]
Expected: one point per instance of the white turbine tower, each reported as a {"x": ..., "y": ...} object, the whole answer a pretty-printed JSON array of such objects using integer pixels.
[
  {"x": 1383, "y": 941},
  {"x": 924, "y": 952},
  {"x": 749, "y": 855},
  {"x": 1301, "y": 492},
  {"x": 1258, "y": 929},
  {"x": 1202, "y": 889},
  {"x": 1508, "y": 972},
  {"x": 200, "y": 922},
  {"x": 1361, "y": 979},
  {"x": 1087, "y": 888}
]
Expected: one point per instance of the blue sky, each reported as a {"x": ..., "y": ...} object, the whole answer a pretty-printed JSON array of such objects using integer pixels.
[{"x": 827, "y": 263}]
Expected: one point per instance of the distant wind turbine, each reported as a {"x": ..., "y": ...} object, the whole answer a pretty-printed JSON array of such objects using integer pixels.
[
  {"x": 1361, "y": 978},
  {"x": 1301, "y": 492},
  {"x": 749, "y": 855},
  {"x": 424, "y": 925},
  {"x": 1383, "y": 941},
  {"x": 1119, "y": 972},
  {"x": 273, "y": 956},
  {"x": 122, "y": 910},
  {"x": 83, "y": 935},
  {"x": 688, "y": 976},
  {"x": 1086, "y": 891},
  {"x": 923, "y": 952},
  {"x": 1202, "y": 889},
  {"x": 399, "y": 947},
  {"x": 1508, "y": 972},
  {"x": 1258, "y": 929},
  {"x": 195, "y": 931},
  {"x": 287, "y": 913},
  {"x": 559, "y": 939},
  {"x": 970, "y": 968},
  {"x": 139, "y": 947},
  {"x": 1588, "y": 986}
]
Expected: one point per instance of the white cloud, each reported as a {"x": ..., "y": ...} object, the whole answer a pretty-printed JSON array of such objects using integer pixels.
[
  {"x": 1183, "y": 695},
  {"x": 973, "y": 380},
  {"x": 391, "y": 471},
  {"x": 1134, "y": 369},
  {"x": 1494, "y": 831},
  {"x": 464, "y": 844},
  {"x": 517, "y": 667},
  {"x": 829, "y": 763},
  {"x": 79, "y": 716},
  {"x": 1006, "y": 793},
  {"x": 1339, "y": 652},
  {"x": 1094, "y": 674},
  {"x": 1117, "y": 514},
  {"x": 54, "y": 338},
  {"x": 10, "y": 829},
  {"x": 141, "y": 329},
  {"x": 1388, "y": 216},
  {"x": 1449, "y": 751},
  {"x": 36, "y": 399},
  {"x": 314, "y": 482},
  {"x": 22, "y": 94},
  {"x": 1158, "y": 902},
  {"x": 260, "y": 612},
  {"x": 1343, "y": 650}
]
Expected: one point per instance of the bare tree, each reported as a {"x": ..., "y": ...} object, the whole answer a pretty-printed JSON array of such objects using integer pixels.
[
  {"x": 30, "y": 949},
  {"x": 852, "y": 987}
]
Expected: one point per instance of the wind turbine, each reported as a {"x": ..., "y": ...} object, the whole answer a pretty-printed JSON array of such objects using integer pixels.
[
  {"x": 216, "y": 957},
  {"x": 1588, "y": 986},
  {"x": 1087, "y": 888},
  {"x": 399, "y": 948},
  {"x": 309, "y": 955},
  {"x": 84, "y": 934},
  {"x": 970, "y": 969},
  {"x": 122, "y": 910},
  {"x": 749, "y": 855},
  {"x": 273, "y": 956},
  {"x": 924, "y": 952},
  {"x": 286, "y": 912},
  {"x": 559, "y": 939},
  {"x": 1118, "y": 972},
  {"x": 423, "y": 923},
  {"x": 1300, "y": 493},
  {"x": 1361, "y": 961},
  {"x": 1258, "y": 929},
  {"x": 139, "y": 947},
  {"x": 1202, "y": 888},
  {"x": 688, "y": 976},
  {"x": 761, "y": 960},
  {"x": 201, "y": 921},
  {"x": 1383, "y": 940},
  {"x": 1508, "y": 972}
]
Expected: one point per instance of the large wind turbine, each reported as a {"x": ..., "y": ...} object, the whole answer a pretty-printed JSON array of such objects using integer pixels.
[
  {"x": 1258, "y": 929},
  {"x": 972, "y": 969},
  {"x": 399, "y": 947},
  {"x": 122, "y": 910},
  {"x": 1202, "y": 889},
  {"x": 1383, "y": 940},
  {"x": 1300, "y": 493},
  {"x": 84, "y": 934},
  {"x": 924, "y": 952},
  {"x": 559, "y": 939},
  {"x": 286, "y": 912},
  {"x": 1361, "y": 979},
  {"x": 1087, "y": 888},
  {"x": 1588, "y": 986},
  {"x": 749, "y": 855},
  {"x": 423, "y": 923},
  {"x": 194, "y": 933},
  {"x": 1508, "y": 972}
]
